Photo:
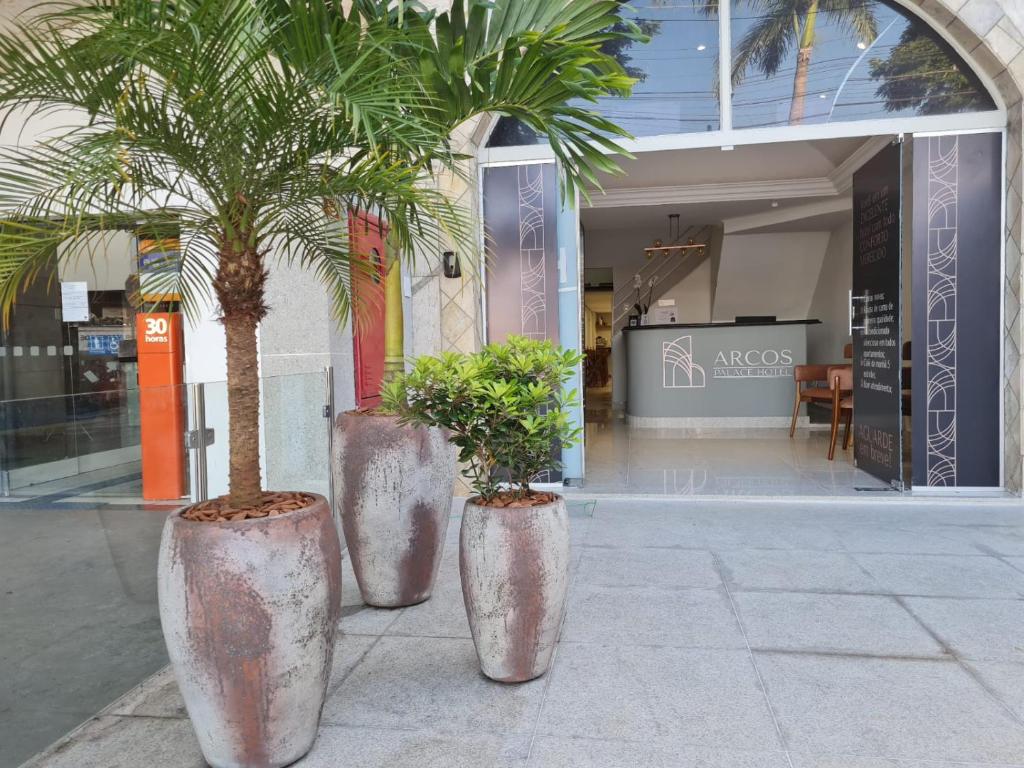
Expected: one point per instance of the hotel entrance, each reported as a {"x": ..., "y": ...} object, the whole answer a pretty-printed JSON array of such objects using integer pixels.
[{"x": 801, "y": 295}]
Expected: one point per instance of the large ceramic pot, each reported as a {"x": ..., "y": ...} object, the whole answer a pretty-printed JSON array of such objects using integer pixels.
[
  {"x": 249, "y": 611},
  {"x": 515, "y": 579},
  {"x": 394, "y": 493}
]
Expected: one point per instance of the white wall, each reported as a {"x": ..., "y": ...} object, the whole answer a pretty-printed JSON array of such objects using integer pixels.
[
  {"x": 830, "y": 303},
  {"x": 693, "y": 295},
  {"x": 623, "y": 252},
  {"x": 102, "y": 259},
  {"x": 769, "y": 274}
]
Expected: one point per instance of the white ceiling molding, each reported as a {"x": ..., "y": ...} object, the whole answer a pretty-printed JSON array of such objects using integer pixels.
[
  {"x": 783, "y": 215},
  {"x": 842, "y": 176},
  {"x": 714, "y": 193}
]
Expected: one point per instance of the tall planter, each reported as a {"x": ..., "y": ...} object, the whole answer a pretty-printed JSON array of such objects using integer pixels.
[
  {"x": 249, "y": 611},
  {"x": 514, "y": 564},
  {"x": 394, "y": 493}
]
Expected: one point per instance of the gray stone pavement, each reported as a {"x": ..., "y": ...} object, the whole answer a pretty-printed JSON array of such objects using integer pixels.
[
  {"x": 728, "y": 634},
  {"x": 78, "y": 614}
]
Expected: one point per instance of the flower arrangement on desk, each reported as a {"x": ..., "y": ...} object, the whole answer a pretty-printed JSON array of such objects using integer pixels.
[{"x": 641, "y": 309}]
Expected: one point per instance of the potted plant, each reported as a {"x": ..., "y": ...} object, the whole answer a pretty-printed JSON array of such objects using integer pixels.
[
  {"x": 506, "y": 410},
  {"x": 250, "y": 126},
  {"x": 394, "y": 494}
]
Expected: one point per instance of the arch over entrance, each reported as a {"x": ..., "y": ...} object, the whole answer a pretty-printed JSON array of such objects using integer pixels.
[{"x": 711, "y": 67}]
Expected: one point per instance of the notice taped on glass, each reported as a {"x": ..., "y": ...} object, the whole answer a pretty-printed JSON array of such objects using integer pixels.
[{"x": 877, "y": 334}]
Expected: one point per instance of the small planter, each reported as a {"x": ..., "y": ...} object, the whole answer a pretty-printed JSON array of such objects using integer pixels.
[
  {"x": 514, "y": 564},
  {"x": 249, "y": 611},
  {"x": 394, "y": 493}
]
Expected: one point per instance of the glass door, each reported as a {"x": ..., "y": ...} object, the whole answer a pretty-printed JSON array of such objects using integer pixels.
[{"x": 877, "y": 316}]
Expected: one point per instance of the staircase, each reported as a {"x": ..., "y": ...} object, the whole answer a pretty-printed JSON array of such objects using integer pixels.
[{"x": 666, "y": 272}]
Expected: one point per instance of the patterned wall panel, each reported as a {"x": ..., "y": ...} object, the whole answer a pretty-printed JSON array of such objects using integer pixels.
[
  {"x": 521, "y": 234},
  {"x": 520, "y": 210},
  {"x": 956, "y": 310}
]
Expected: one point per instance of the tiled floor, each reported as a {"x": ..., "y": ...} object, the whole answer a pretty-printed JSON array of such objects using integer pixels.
[
  {"x": 726, "y": 634},
  {"x": 710, "y": 462}
]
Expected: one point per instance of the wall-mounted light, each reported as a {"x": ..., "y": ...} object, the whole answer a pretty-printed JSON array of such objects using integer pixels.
[{"x": 450, "y": 262}]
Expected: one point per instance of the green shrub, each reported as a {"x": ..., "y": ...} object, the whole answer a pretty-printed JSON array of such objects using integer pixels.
[{"x": 505, "y": 407}]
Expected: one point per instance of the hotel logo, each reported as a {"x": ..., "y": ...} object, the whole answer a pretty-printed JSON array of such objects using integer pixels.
[{"x": 678, "y": 369}]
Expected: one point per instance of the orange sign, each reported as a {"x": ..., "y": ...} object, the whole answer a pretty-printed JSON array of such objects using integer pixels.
[{"x": 162, "y": 405}]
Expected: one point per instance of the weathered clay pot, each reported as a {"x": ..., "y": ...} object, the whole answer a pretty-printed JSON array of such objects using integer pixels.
[
  {"x": 394, "y": 493},
  {"x": 249, "y": 611},
  {"x": 515, "y": 579}
]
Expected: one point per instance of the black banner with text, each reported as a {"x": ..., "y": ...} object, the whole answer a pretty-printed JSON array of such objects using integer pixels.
[{"x": 877, "y": 323}]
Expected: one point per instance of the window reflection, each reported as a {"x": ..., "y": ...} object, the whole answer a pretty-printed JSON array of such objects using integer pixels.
[
  {"x": 818, "y": 61},
  {"x": 676, "y": 73},
  {"x": 794, "y": 62}
]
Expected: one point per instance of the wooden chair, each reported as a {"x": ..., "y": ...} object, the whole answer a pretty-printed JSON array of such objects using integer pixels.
[
  {"x": 840, "y": 379},
  {"x": 812, "y": 376}
]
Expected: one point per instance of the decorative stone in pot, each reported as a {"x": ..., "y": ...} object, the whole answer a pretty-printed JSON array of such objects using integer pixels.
[
  {"x": 250, "y": 611},
  {"x": 394, "y": 493},
  {"x": 514, "y": 563}
]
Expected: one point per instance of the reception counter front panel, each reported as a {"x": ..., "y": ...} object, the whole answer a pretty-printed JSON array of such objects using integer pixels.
[{"x": 713, "y": 375}]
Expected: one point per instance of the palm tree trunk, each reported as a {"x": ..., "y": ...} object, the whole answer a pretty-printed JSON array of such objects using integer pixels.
[
  {"x": 243, "y": 411},
  {"x": 803, "y": 65},
  {"x": 239, "y": 285}
]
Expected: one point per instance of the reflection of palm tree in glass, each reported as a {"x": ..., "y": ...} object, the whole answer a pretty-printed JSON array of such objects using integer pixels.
[{"x": 783, "y": 24}]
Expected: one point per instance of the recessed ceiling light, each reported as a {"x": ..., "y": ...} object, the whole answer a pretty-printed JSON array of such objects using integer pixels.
[
  {"x": 862, "y": 45},
  {"x": 702, "y": 47},
  {"x": 822, "y": 95},
  {"x": 775, "y": 203}
]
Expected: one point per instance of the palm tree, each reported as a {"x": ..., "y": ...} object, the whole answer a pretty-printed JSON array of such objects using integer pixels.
[
  {"x": 785, "y": 24},
  {"x": 252, "y": 124}
]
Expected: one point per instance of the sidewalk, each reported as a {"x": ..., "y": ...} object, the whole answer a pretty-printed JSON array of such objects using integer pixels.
[{"x": 702, "y": 634}]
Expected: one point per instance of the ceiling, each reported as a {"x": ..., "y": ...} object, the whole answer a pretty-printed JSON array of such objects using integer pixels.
[
  {"x": 752, "y": 162},
  {"x": 723, "y": 174},
  {"x": 655, "y": 217}
]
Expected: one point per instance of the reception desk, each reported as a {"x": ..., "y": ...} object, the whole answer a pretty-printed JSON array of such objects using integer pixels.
[{"x": 713, "y": 374}]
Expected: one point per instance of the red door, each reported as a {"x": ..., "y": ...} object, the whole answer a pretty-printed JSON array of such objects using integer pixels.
[{"x": 368, "y": 272}]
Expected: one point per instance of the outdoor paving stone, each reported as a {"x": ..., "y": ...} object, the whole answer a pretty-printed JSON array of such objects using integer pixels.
[
  {"x": 832, "y": 623},
  {"x": 661, "y": 568},
  {"x": 763, "y": 534},
  {"x": 945, "y": 575},
  {"x": 349, "y": 651},
  {"x": 338, "y": 747},
  {"x": 975, "y": 629},
  {"x": 847, "y": 761},
  {"x": 126, "y": 742},
  {"x": 924, "y": 540},
  {"x": 631, "y": 525},
  {"x": 688, "y": 696},
  {"x": 681, "y": 618},
  {"x": 1002, "y": 540},
  {"x": 1006, "y": 680},
  {"x": 435, "y": 683},
  {"x": 443, "y": 615},
  {"x": 893, "y": 708},
  {"x": 156, "y": 697},
  {"x": 800, "y": 570},
  {"x": 550, "y": 752}
]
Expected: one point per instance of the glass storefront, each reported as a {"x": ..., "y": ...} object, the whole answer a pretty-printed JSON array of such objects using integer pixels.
[{"x": 69, "y": 400}]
